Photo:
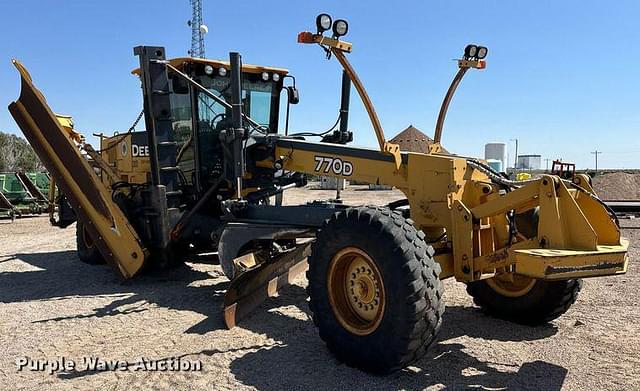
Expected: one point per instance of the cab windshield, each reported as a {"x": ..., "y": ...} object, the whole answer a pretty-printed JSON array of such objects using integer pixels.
[
  {"x": 200, "y": 153},
  {"x": 257, "y": 99}
]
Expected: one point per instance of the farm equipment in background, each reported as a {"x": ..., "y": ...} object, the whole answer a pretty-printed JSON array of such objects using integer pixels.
[
  {"x": 203, "y": 175},
  {"x": 7, "y": 209},
  {"x": 22, "y": 193},
  {"x": 523, "y": 176},
  {"x": 565, "y": 170},
  {"x": 30, "y": 183}
]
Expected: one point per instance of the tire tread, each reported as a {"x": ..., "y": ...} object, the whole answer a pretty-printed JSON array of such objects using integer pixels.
[{"x": 423, "y": 307}]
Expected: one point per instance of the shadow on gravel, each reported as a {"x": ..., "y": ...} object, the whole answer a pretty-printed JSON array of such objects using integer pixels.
[
  {"x": 301, "y": 361},
  {"x": 63, "y": 276},
  {"x": 298, "y": 359}
]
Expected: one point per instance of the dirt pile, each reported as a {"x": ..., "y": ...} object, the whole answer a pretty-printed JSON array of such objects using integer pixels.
[{"x": 617, "y": 186}]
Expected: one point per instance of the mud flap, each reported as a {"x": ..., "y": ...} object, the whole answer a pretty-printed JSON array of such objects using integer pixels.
[
  {"x": 252, "y": 288},
  {"x": 115, "y": 238}
]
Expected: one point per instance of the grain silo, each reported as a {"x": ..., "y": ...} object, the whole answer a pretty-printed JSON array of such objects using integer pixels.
[{"x": 496, "y": 151}]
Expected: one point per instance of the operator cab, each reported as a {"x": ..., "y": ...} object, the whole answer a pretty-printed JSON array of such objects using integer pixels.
[{"x": 200, "y": 154}]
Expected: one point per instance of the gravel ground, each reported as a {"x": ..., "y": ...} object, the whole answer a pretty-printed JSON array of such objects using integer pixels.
[{"x": 52, "y": 307}]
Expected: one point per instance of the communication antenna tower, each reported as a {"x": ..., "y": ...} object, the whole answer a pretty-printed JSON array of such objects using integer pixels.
[{"x": 198, "y": 29}]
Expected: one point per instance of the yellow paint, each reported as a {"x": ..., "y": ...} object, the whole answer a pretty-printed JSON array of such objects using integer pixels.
[
  {"x": 447, "y": 195},
  {"x": 180, "y": 62},
  {"x": 113, "y": 229},
  {"x": 575, "y": 237}
]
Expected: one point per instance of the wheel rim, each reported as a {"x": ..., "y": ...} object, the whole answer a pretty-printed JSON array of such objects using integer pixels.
[
  {"x": 356, "y": 291},
  {"x": 88, "y": 242},
  {"x": 511, "y": 285}
]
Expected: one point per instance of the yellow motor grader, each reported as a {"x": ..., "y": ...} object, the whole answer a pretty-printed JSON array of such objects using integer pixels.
[{"x": 202, "y": 179}]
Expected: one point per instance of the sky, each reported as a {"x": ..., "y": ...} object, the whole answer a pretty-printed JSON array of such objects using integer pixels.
[{"x": 560, "y": 75}]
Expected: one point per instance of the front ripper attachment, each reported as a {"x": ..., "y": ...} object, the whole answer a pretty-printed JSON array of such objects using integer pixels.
[
  {"x": 576, "y": 236},
  {"x": 250, "y": 289},
  {"x": 114, "y": 237}
]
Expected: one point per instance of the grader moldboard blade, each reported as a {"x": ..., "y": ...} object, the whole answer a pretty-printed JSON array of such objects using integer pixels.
[
  {"x": 116, "y": 240},
  {"x": 250, "y": 289}
]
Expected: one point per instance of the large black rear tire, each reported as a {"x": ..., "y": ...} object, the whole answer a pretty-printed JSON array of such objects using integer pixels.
[
  {"x": 87, "y": 251},
  {"x": 538, "y": 303},
  {"x": 396, "y": 310}
]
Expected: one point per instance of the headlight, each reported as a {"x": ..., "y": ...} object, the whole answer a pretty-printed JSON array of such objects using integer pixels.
[
  {"x": 222, "y": 72},
  {"x": 323, "y": 23},
  {"x": 482, "y": 52},
  {"x": 276, "y": 77},
  {"x": 470, "y": 51},
  {"x": 208, "y": 69},
  {"x": 265, "y": 76},
  {"x": 340, "y": 28}
]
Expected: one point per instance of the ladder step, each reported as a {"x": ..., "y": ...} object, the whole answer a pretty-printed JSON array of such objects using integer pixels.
[
  {"x": 169, "y": 169},
  {"x": 174, "y": 193},
  {"x": 167, "y": 143},
  {"x": 160, "y": 92}
]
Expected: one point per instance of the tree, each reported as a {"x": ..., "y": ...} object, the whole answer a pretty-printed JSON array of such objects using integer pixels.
[{"x": 16, "y": 154}]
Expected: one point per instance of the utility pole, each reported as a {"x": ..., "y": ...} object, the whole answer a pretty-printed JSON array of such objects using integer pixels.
[
  {"x": 198, "y": 29},
  {"x": 515, "y": 164},
  {"x": 547, "y": 163},
  {"x": 596, "y": 153}
]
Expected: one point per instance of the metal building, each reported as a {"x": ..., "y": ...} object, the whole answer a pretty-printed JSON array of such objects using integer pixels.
[{"x": 529, "y": 162}]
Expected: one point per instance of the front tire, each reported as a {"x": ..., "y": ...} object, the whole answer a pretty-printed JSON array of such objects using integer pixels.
[
  {"x": 524, "y": 300},
  {"x": 375, "y": 291}
]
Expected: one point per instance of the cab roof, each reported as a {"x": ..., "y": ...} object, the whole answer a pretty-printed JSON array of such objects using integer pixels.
[{"x": 181, "y": 61}]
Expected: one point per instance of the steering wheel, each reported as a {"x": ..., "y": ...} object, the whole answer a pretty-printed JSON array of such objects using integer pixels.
[{"x": 221, "y": 116}]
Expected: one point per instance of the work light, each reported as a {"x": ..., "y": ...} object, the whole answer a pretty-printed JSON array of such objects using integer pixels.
[
  {"x": 208, "y": 69},
  {"x": 323, "y": 23},
  {"x": 482, "y": 52},
  {"x": 265, "y": 76},
  {"x": 470, "y": 51},
  {"x": 340, "y": 28},
  {"x": 222, "y": 72},
  {"x": 276, "y": 77}
]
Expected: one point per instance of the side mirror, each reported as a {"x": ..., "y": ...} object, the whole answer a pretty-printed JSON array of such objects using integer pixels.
[
  {"x": 179, "y": 86},
  {"x": 293, "y": 94}
]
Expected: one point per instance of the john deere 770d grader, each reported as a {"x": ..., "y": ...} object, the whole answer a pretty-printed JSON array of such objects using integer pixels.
[{"x": 202, "y": 176}]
